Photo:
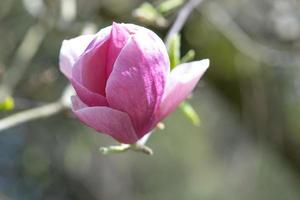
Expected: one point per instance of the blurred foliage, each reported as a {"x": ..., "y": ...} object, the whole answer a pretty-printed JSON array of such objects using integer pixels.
[
  {"x": 174, "y": 50},
  {"x": 173, "y": 46},
  {"x": 189, "y": 56},
  {"x": 190, "y": 113},
  {"x": 7, "y": 104},
  {"x": 247, "y": 146},
  {"x": 169, "y": 5},
  {"x": 150, "y": 15}
]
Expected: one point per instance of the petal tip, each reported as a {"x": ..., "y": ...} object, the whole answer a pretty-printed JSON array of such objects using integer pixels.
[
  {"x": 205, "y": 63},
  {"x": 115, "y": 25}
]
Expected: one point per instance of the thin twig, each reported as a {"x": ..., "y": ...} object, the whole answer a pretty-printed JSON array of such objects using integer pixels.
[
  {"x": 38, "y": 112},
  {"x": 182, "y": 17},
  {"x": 31, "y": 114},
  {"x": 240, "y": 39}
]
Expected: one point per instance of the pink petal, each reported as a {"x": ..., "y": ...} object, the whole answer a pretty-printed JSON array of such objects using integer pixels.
[
  {"x": 89, "y": 70},
  {"x": 106, "y": 120},
  {"x": 118, "y": 38},
  {"x": 99, "y": 37},
  {"x": 181, "y": 82},
  {"x": 77, "y": 104},
  {"x": 88, "y": 97},
  {"x": 70, "y": 52},
  {"x": 137, "y": 81}
]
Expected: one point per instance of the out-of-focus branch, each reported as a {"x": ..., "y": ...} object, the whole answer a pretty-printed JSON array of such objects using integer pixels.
[
  {"x": 6, "y": 7},
  {"x": 30, "y": 114},
  {"x": 26, "y": 51},
  {"x": 240, "y": 39},
  {"x": 38, "y": 112},
  {"x": 68, "y": 11},
  {"x": 42, "y": 111},
  {"x": 181, "y": 18},
  {"x": 28, "y": 48}
]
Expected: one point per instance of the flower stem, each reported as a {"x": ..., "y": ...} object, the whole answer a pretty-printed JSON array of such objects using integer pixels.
[{"x": 125, "y": 147}]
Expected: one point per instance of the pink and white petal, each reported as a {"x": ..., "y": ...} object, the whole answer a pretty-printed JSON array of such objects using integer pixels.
[
  {"x": 138, "y": 79},
  {"x": 99, "y": 37},
  {"x": 132, "y": 28},
  {"x": 70, "y": 52},
  {"x": 103, "y": 119},
  {"x": 118, "y": 38},
  {"x": 90, "y": 68},
  {"x": 77, "y": 104},
  {"x": 181, "y": 82},
  {"x": 88, "y": 97}
]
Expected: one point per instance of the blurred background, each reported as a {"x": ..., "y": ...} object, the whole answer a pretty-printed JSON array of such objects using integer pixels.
[{"x": 248, "y": 143}]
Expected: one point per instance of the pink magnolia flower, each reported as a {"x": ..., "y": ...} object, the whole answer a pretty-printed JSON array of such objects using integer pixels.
[{"x": 123, "y": 82}]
